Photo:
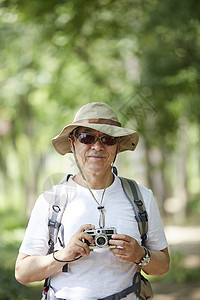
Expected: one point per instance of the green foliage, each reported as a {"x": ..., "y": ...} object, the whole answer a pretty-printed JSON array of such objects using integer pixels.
[
  {"x": 56, "y": 56},
  {"x": 11, "y": 219},
  {"x": 194, "y": 205},
  {"x": 170, "y": 61},
  {"x": 141, "y": 57},
  {"x": 10, "y": 289},
  {"x": 11, "y": 224},
  {"x": 178, "y": 273}
]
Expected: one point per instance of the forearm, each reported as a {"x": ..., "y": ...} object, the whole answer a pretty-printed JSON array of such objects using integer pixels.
[
  {"x": 159, "y": 263},
  {"x": 129, "y": 250},
  {"x": 35, "y": 268}
]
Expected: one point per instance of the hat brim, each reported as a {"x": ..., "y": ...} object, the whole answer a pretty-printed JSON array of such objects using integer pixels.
[{"x": 129, "y": 138}]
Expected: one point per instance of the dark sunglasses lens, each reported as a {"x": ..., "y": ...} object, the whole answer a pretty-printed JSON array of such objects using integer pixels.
[
  {"x": 89, "y": 139},
  {"x": 108, "y": 140},
  {"x": 86, "y": 138}
]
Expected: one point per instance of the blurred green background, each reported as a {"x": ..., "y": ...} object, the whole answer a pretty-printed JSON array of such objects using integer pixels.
[{"x": 142, "y": 58}]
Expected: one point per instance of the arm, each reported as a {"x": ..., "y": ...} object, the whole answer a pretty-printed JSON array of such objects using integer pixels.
[
  {"x": 36, "y": 268},
  {"x": 131, "y": 251},
  {"x": 30, "y": 268}
]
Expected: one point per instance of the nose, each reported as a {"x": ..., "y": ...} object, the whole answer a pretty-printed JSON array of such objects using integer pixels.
[{"x": 98, "y": 145}]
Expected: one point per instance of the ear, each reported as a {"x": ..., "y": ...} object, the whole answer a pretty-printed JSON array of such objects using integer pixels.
[{"x": 71, "y": 140}]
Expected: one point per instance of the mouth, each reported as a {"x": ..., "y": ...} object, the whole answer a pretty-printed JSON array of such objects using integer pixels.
[{"x": 96, "y": 157}]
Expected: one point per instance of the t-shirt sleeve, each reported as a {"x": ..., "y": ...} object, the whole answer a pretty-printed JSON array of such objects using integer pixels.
[
  {"x": 156, "y": 239},
  {"x": 36, "y": 237}
]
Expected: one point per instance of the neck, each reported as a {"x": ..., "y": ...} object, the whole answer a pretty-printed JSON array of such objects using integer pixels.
[{"x": 95, "y": 181}]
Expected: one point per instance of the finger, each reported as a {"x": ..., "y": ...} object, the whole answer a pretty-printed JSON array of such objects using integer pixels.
[
  {"x": 84, "y": 227},
  {"x": 120, "y": 243},
  {"x": 81, "y": 236},
  {"x": 88, "y": 237},
  {"x": 82, "y": 248},
  {"x": 86, "y": 248},
  {"x": 79, "y": 251},
  {"x": 118, "y": 251},
  {"x": 121, "y": 237},
  {"x": 119, "y": 254}
]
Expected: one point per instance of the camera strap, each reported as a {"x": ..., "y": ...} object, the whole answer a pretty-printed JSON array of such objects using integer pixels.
[{"x": 100, "y": 207}]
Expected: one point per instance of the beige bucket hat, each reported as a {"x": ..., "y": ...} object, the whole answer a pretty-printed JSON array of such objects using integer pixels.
[{"x": 101, "y": 117}]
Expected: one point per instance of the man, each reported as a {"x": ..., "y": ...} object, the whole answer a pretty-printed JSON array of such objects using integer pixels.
[{"x": 96, "y": 200}]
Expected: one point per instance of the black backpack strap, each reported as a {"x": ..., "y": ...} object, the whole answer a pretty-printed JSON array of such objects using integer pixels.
[
  {"x": 134, "y": 195},
  {"x": 68, "y": 176},
  {"x": 114, "y": 169},
  {"x": 134, "y": 288}
]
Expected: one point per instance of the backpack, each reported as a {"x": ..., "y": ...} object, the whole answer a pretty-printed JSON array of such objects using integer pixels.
[{"x": 141, "y": 285}]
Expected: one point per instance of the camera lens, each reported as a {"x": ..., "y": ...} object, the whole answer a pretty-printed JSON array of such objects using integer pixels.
[{"x": 101, "y": 240}]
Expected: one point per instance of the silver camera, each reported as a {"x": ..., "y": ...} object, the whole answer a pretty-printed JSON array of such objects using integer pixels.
[{"x": 101, "y": 237}]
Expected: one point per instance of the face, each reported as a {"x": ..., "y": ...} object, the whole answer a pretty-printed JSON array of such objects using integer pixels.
[{"x": 95, "y": 158}]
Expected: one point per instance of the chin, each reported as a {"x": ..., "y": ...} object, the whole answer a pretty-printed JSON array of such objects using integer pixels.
[{"x": 95, "y": 168}]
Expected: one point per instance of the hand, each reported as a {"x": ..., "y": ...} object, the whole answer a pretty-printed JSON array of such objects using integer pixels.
[
  {"x": 130, "y": 250},
  {"x": 76, "y": 247}
]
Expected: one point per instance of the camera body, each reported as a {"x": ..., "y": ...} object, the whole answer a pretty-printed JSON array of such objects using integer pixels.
[{"x": 101, "y": 237}]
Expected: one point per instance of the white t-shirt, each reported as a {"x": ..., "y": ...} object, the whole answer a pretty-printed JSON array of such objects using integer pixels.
[{"x": 100, "y": 274}]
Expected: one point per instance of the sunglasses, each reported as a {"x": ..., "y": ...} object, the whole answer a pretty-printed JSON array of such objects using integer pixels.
[{"x": 89, "y": 139}]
